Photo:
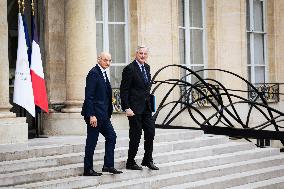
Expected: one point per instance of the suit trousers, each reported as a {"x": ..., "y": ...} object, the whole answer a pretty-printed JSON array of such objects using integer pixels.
[
  {"x": 137, "y": 123},
  {"x": 106, "y": 129}
]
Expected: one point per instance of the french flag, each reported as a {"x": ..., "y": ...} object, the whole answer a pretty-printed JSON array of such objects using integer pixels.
[
  {"x": 23, "y": 92},
  {"x": 37, "y": 75}
]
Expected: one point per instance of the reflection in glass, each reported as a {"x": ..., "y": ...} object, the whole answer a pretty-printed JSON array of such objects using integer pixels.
[
  {"x": 182, "y": 46},
  {"x": 258, "y": 15},
  {"x": 181, "y": 12},
  {"x": 249, "y": 74},
  {"x": 196, "y": 46},
  {"x": 259, "y": 49},
  {"x": 248, "y": 49},
  {"x": 99, "y": 37},
  {"x": 248, "y": 14},
  {"x": 259, "y": 74},
  {"x": 99, "y": 10},
  {"x": 195, "y": 13},
  {"x": 194, "y": 79},
  {"x": 117, "y": 43},
  {"x": 116, "y": 11}
]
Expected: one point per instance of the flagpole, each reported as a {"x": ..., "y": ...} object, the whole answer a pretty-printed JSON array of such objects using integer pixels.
[
  {"x": 33, "y": 9},
  {"x": 23, "y": 6},
  {"x": 19, "y": 3},
  {"x": 36, "y": 112}
]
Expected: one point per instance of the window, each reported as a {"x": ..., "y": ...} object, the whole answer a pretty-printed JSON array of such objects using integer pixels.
[
  {"x": 256, "y": 41},
  {"x": 191, "y": 42},
  {"x": 112, "y": 35},
  {"x": 192, "y": 36}
]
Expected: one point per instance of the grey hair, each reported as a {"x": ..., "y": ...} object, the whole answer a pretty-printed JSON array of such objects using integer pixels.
[{"x": 142, "y": 47}]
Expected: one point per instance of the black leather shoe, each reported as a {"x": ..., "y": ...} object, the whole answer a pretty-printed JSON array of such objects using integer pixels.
[
  {"x": 111, "y": 170},
  {"x": 133, "y": 167},
  {"x": 91, "y": 172},
  {"x": 150, "y": 165}
]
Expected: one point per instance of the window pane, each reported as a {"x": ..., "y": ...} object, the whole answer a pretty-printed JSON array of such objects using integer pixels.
[
  {"x": 99, "y": 37},
  {"x": 249, "y": 74},
  {"x": 248, "y": 49},
  {"x": 99, "y": 10},
  {"x": 117, "y": 42},
  {"x": 194, "y": 79},
  {"x": 196, "y": 46},
  {"x": 116, "y": 10},
  {"x": 195, "y": 13},
  {"x": 182, "y": 46},
  {"x": 183, "y": 72},
  {"x": 259, "y": 74},
  {"x": 259, "y": 49},
  {"x": 115, "y": 75},
  {"x": 258, "y": 15},
  {"x": 248, "y": 14},
  {"x": 181, "y": 12}
]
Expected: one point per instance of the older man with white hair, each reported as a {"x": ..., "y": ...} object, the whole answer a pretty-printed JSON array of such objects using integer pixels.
[{"x": 97, "y": 110}]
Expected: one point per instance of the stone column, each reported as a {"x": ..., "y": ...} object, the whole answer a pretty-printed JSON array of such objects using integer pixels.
[
  {"x": 80, "y": 49},
  {"x": 4, "y": 63},
  {"x": 77, "y": 35},
  {"x": 54, "y": 48}
]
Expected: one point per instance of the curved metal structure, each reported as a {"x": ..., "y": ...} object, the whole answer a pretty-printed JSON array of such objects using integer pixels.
[{"x": 226, "y": 118}]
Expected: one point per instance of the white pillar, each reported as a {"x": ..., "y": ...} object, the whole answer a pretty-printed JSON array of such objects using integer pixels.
[{"x": 4, "y": 63}]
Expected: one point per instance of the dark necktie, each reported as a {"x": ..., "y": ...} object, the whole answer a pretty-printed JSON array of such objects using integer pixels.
[{"x": 144, "y": 75}]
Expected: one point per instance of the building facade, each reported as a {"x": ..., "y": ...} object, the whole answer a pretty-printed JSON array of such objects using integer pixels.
[{"x": 242, "y": 36}]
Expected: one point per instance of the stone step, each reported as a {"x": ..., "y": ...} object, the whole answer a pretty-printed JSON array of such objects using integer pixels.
[
  {"x": 211, "y": 177},
  {"x": 235, "y": 179},
  {"x": 274, "y": 183},
  {"x": 62, "y": 145},
  {"x": 13, "y": 121},
  {"x": 76, "y": 169},
  {"x": 163, "y": 163},
  {"x": 72, "y": 158}
]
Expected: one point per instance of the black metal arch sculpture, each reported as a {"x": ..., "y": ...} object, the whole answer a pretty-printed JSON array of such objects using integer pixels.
[{"x": 224, "y": 101}]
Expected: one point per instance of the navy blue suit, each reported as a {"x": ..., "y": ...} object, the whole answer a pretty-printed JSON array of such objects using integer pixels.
[
  {"x": 98, "y": 102},
  {"x": 134, "y": 93}
]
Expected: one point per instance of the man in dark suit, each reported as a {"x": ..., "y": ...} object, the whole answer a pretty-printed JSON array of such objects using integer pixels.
[
  {"x": 134, "y": 91},
  {"x": 97, "y": 110}
]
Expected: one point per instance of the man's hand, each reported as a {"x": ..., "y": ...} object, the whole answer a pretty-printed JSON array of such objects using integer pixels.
[
  {"x": 93, "y": 121},
  {"x": 129, "y": 112}
]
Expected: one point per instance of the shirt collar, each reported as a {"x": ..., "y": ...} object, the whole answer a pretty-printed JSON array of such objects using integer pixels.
[
  {"x": 139, "y": 64},
  {"x": 101, "y": 68}
]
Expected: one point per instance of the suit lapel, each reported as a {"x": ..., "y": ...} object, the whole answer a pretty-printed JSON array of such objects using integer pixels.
[{"x": 102, "y": 80}]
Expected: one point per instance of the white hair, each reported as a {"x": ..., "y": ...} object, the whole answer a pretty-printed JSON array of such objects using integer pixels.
[{"x": 142, "y": 47}]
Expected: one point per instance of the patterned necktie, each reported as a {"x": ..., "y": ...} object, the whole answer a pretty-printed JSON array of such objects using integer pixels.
[{"x": 144, "y": 75}]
